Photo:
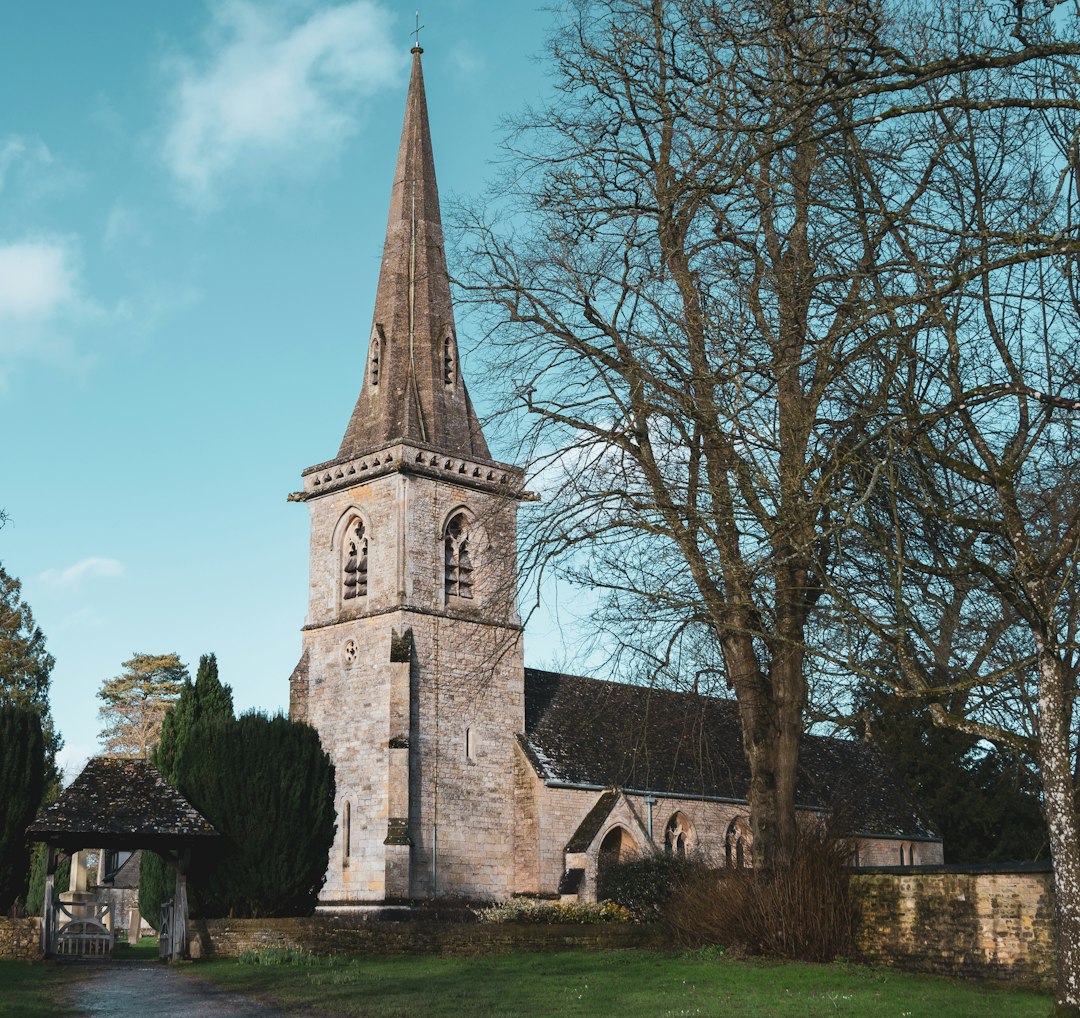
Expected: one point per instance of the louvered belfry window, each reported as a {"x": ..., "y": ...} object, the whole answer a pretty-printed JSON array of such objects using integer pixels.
[
  {"x": 356, "y": 561},
  {"x": 459, "y": 569}
]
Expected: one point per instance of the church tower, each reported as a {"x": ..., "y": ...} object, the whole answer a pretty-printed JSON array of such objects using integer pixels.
[{"x": 412, "y": 664}]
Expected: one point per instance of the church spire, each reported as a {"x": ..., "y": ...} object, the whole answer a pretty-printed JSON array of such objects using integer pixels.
[{"x": 412, "y": 389}]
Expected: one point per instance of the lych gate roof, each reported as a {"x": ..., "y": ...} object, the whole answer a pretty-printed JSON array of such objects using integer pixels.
[
  {"x": 594, "y": 734},
  {"x": 120, "y": 802}
]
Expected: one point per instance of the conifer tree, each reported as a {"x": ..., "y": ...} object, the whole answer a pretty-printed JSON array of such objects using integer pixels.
[
  {"x": 267, "y": 785},
  {"x": 25, "y": 665},
  {"x": 22, "y": 778},
  {"x": 206, "y": 697},
  {"x": 135, "y": 702}
]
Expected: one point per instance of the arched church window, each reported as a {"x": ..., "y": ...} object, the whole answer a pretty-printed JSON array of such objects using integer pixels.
[
  {"x": 448, "y": 361},
  {"x": 737, "y": 843},
  {"x": 355, "y": 549},
  {"x": 678, "y": 836},
  {"x": 459, "y": 568}
]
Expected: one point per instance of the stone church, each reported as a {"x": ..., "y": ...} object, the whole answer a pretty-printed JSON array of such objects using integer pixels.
[{"x": 459, "y": 770}]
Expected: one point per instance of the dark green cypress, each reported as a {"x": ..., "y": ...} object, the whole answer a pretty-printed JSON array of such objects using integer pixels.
[
  {"x": 206, "y": 697},
  {"x": 267, "y": 785},
  {"x": 22, "y": 779}
]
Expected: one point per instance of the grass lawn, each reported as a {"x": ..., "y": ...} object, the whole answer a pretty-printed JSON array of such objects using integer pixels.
[
  {"x": 626, "y": 984},
  {"x": 34, "y": 989},
  {"x": 145, "y": 950}
]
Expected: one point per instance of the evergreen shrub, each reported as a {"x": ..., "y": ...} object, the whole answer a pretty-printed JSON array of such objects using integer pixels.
[
  {"x": 267, "y": 785},
  {"x": 645, "y": 885}
]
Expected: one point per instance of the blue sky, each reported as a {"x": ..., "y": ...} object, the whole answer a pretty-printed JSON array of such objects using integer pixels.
[{"x": 192, "y": 206}]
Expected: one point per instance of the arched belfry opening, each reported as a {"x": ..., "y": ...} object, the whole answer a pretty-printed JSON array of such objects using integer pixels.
[
  {"x": 459, "y": 580},
  {"x": 354, "y": 570}
]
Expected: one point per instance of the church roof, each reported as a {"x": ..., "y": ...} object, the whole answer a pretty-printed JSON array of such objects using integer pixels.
[
  {"x": 120, "y": 802},
  {"x": 588, "y": 733},
  {"x": 412, "y": 387}
]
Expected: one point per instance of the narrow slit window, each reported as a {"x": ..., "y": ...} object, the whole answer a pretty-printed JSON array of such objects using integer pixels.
[
  {"x": 470, "y": 744},
  {"x": 459, "y": 568},
  {"x": 346, "y": 833},
  {"x": 356, "y": 562},
  {"x": 376, "y": 354}
]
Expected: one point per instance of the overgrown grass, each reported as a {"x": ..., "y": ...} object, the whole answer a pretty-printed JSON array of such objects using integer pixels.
[
  {"x": 34, "y": 990},
  {"x": 624, "y": 983}
]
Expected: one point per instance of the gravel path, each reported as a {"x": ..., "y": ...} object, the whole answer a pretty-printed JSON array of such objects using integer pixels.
[{"x": 134, "y": 989}]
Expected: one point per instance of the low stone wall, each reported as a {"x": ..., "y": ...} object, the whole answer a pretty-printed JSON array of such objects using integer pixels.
[
  {"x": 947, "y": 921},
  {"x": 997, "y": 925},
  {"x": 347, "y": 935},
  {"x": 20, "y": 938}
]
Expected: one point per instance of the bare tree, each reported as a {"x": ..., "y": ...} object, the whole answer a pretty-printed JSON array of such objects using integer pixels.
[
  {"x": 700, "y": 281},
  {"x": 969, "y": 544}
]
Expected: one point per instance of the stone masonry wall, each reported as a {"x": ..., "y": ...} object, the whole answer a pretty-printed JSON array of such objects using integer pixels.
[
  {"x": 424, "y": 750},
  {"x": 342, "y": 935},
  {"x": 20, "y": 938},
  {"x": 994, "y": 925},
  {"x": 967, "y": 925}
]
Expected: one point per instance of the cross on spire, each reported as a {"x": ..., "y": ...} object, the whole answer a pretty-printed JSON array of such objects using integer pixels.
[{"x": 416, "y": 33}]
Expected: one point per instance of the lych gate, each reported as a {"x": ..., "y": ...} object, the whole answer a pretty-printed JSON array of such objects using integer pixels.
[{"x": 122, "y": 804}]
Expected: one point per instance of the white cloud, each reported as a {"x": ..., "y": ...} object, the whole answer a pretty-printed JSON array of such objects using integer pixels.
[
  {"x": 42, "y": 301},
  {"x": 93, "y": 567},
  {"x": 276, "y": 95},
  {"x": 37, "y": 278}
]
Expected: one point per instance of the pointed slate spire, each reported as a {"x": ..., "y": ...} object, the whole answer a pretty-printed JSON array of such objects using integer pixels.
[{"x": 412, "y": 389}]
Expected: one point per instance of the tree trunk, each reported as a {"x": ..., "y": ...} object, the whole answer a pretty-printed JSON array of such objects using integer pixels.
[
  {"x": 1061, "y": 820},
  {"x": 772, "y": 732}
]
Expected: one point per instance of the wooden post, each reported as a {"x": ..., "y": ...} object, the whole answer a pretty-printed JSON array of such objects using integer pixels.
[
  {"x": 178, "y": 947},
  {"x": 48, "y": 916}
]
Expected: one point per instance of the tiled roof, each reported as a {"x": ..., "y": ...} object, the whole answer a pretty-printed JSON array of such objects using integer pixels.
[
  {"x": 589, "y": 828},
  {"x": 597, "y": 734},
  {"x": 120, "y": 801}
]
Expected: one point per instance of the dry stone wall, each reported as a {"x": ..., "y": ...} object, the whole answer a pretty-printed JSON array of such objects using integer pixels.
[
  {"x": 987, "y": 925},
  {"x": 20, "y": 938},
  {"x": 996, "y": 925},
  {"x": 344, "y": 935}
]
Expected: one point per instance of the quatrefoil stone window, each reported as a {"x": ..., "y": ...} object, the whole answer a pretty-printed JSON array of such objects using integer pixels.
[{"x": 349, "y": 653}]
